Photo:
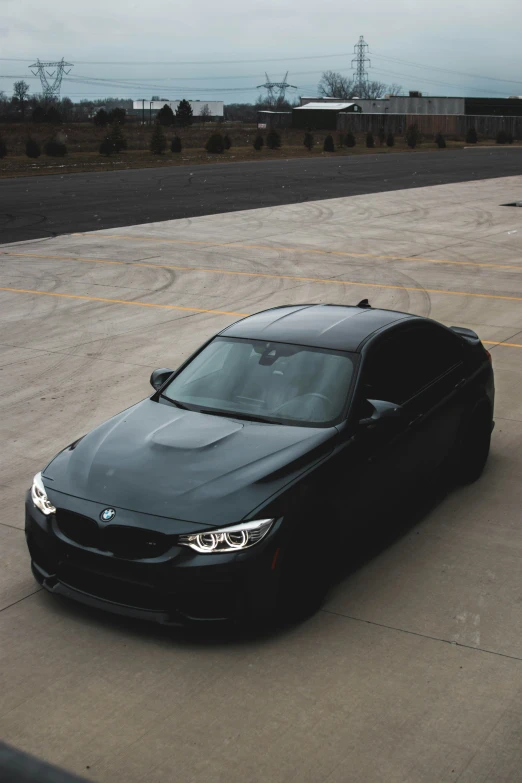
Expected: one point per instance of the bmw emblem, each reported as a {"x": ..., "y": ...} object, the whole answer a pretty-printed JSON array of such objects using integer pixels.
[{"x": 107, "y": 514}]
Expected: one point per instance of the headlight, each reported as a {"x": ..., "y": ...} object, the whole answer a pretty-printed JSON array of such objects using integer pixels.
[
  {"x": 228, "y": 539},
  {"x": 39, "y": 496}
]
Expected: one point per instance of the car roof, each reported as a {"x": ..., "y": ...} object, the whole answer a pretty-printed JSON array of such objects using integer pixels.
[{"x": 337, "y": 327}]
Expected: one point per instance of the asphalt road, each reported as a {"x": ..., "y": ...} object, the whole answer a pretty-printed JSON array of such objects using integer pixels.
[{"x": 32, "y": 207}]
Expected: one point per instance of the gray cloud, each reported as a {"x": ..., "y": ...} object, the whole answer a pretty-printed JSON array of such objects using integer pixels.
[{"x": 470, "y": 36}]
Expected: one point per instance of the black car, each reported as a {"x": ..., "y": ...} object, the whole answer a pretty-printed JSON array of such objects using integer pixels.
[{"x": 231, "y": 491}]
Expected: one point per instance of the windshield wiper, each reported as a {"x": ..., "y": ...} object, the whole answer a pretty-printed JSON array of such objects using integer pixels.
[
  {"x": 176, "y": 403},
  {"x": 235, "y": 415},
  {"x": 218, "y": 412}
]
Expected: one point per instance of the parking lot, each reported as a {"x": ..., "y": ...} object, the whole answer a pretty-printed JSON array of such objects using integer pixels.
[{"x": 412, "y": 671}]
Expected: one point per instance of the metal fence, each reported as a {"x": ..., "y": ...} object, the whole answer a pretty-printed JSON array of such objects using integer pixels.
[{"x": 429, "y": 124}]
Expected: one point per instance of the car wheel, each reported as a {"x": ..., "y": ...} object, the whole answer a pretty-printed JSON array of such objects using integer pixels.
[{"x": 473, "y": 447}]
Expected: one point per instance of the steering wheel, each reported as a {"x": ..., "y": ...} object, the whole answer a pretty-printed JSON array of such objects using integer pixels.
[{"x": 326, "y": 402}]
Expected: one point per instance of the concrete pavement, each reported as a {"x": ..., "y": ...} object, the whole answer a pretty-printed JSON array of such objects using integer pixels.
[{"x": 412, "y": 672}]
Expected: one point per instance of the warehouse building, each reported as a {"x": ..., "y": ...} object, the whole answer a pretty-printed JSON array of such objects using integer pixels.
[
  {"x": 148, "y": 109},
  {"x": 417, "y": 103},
  {"x": 273, "y": 119},
  {"x": 322, "y": 114}
]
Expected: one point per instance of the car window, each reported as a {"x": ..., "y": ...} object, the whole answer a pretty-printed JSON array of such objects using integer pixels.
[
  {"x": 277, "y": 381},
  {"x": 408, "y": 361}
]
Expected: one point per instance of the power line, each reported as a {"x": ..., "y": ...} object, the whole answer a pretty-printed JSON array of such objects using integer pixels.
[
  {"x": 192, "y": 62},
  {"x": 446, "y": 70},
  {"x": 141, "y": 82},
  {"x": 436, "y": 82},
  {"x": 274, "y": 59},
  {"x": 136, "y": 86}
]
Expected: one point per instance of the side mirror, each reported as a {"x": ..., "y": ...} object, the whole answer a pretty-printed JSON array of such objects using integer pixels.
[
  {"x": 382, "y": 411},
  {"x": 158, "y": 377}
]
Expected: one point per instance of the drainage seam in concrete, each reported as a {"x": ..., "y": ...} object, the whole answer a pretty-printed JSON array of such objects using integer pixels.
[
  {"x": 21, "y": 599},
  {"x": 422, "y": 635},
  {"x": 13, "y": 527},
  {"x": 500, "y": 342}
]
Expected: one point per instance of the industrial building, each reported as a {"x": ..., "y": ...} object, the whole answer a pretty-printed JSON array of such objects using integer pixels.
[
  {"x": 322, "y": 114},
  {"x": 148, "y": 109},
  {"x": 395, "y": 113},
  {"x": 416, "y": 103},
  {"x": 274, "y": 119}
]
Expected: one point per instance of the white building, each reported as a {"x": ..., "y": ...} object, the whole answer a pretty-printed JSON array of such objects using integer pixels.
[
  {"x": 148, "y": 107},
  {"x": 403, "y": 104}
]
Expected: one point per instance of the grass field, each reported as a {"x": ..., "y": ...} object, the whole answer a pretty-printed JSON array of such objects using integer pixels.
[{"x": 83, "y": 141}]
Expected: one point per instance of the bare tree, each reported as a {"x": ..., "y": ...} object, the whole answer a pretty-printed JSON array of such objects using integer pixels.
[
  {"x": 205, "y": 114},
  {"x": 20, "y": 95},
  {"x": 335, "y": 85},
  {"x": 373, "y": 90}
]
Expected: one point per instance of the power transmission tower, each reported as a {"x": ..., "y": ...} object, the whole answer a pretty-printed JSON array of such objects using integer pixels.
[
  {"x": 51, "y": 80},
  {"x": 273, "y": 87},
  {"x": 359, "y": 62}
]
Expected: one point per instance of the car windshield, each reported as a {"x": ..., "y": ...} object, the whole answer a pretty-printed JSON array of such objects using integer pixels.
[{"x": 276, "y": 382}]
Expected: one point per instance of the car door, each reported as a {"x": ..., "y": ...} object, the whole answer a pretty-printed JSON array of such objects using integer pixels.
[
  {"x": 422, "y": 369},
  {"x": 388, "y": 449},
  {"x": 436, "y": 366}
]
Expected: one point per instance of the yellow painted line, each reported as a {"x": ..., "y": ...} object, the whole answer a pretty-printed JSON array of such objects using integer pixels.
[
  {"x": 62, "y": 258},
  {"x": 501, "y": 345},
  {"x": 294, "y": 278},
  {"x": 312, "y": 251},
  {"x": 122, "y": 301},
  {"x": 172, "y": 307}
]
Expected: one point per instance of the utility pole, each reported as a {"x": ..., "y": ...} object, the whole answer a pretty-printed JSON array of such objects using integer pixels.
[
  {"x": 51, "y": 80},
  {"x": 271, "y": 88},
  {"x": 359, "y": 62}
]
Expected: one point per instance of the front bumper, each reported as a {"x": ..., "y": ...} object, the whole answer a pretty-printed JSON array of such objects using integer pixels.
[{"x": 179, "y": 587}]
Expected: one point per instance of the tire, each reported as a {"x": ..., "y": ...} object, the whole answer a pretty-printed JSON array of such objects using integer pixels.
[{"x": 474, "y": 444}]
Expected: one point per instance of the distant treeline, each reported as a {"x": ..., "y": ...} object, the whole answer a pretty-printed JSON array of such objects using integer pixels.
[{"x": 23, "y": 107}]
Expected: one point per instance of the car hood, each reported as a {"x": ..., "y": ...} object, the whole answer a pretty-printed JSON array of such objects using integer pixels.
[{"x": 157, "y": 459}]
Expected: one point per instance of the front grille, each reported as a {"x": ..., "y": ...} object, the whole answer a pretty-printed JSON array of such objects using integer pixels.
[
  {"x": 109, "y": 589},
  {"x": 76, "y": 527},
  {"x": 133, "y": 543},
  {"x": 43, "y": 558},
  {"x": 129, "y": 543}
]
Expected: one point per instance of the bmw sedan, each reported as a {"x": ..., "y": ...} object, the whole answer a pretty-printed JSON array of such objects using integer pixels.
[{"x": 225, "y": 495}]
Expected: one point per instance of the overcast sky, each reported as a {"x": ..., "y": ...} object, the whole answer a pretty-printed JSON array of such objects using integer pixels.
[{"x": 305, "y": 37}]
